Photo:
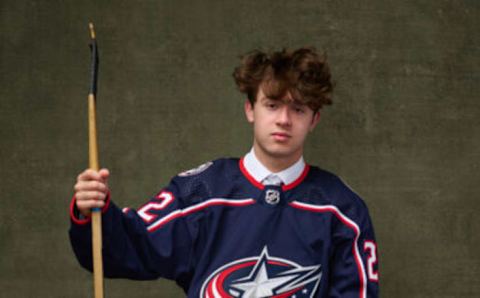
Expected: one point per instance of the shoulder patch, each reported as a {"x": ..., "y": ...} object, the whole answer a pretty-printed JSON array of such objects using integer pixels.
[{"x": 197, "y": 170}]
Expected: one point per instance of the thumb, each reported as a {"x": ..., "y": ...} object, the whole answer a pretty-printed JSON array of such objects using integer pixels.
[{"x": 104, "y": 173}]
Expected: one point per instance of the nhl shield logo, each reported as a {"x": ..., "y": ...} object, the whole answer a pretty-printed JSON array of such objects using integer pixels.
[
  {"x": 272, "y": 196},
  {"x": 262, "y": 276}
]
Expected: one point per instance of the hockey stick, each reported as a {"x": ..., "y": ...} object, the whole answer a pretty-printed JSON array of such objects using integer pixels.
[{"x": 94, "y": 165}]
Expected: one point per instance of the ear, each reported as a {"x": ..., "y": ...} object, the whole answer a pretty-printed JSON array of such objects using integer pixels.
[
  {"x": 249, "y": 111},
  {"x": 315, "y": 120}
]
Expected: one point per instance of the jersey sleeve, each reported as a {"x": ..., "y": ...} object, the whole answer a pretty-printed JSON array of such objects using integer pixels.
[
  {"x": 354, "y": 265},
  {"x": 155, "y": 240}
]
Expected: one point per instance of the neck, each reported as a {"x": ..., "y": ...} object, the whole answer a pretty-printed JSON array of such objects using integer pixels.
[{"x": 275, "y": 163}]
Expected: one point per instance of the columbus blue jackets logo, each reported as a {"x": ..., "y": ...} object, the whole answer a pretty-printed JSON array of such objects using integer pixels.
[{"x": 262, "y": 276}]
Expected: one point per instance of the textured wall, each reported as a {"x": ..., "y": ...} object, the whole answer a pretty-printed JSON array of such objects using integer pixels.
[{"x": 404, "y": 129}]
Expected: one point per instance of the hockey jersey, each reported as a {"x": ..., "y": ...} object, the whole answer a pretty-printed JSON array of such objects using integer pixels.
[{"x": 218, "y": 232}]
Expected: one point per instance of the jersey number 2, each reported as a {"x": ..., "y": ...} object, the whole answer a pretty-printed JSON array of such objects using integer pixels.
[
  {"x": 162, "y": 200},
  {"x": 371, "y": 248}
]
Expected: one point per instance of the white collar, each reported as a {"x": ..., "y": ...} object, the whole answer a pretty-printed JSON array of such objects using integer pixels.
[{"x": 259, "y": 172}]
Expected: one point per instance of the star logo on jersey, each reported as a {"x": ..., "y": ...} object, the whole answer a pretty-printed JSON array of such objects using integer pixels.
[{"x": 262, "y": 276}]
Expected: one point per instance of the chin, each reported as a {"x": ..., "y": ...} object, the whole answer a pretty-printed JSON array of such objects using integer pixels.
[{"x": 281, "y": 152}]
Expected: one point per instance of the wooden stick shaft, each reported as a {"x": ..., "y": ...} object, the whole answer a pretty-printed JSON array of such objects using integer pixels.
[{"x": 96, "y": 214}]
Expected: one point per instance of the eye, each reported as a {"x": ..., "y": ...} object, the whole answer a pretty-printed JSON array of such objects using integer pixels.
[
  {"x": 299, "y": 110},
  {"x": 271, "y": 105}
]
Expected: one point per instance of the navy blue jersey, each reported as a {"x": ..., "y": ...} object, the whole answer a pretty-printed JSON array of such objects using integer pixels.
[{"x": 219, "y": 233}]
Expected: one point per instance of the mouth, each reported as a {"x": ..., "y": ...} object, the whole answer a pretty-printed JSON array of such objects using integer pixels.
[{"x": 281, "y": 136}]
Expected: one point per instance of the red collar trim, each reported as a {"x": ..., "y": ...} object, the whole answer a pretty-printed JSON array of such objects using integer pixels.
[
  {"x": 248, "y": 176},
  {"x": 259, "y": 185},
  {"x": 299, "y": 179}
]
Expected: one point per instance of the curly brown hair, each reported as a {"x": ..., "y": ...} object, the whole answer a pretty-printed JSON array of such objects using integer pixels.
[{"x": 302, "y": 72}]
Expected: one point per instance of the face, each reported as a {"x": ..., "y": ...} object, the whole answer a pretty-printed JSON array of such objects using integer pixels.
[{"x": 280, "y": 127}]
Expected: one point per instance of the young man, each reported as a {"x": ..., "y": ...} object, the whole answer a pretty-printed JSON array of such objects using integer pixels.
[{"x": 265, "y": 225}]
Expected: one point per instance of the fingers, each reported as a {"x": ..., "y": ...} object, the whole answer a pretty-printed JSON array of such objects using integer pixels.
[
  {"x": 85, "y": 205},
  {"x": 89, "y": 186},
  {"x": 90, "y": 174},
  {"x": 91, "y": 190}
]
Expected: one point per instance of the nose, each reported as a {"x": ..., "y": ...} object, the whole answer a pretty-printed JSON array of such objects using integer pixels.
[{"x": 284, "y": 117}]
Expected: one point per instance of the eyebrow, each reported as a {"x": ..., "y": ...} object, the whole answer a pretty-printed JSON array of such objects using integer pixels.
[
  {"x": 266, "y": 98},
  {"x": 299, "y": 103}
]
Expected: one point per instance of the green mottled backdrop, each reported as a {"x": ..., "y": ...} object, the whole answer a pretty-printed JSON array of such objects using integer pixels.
[{"x": 404, "y": 130}]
